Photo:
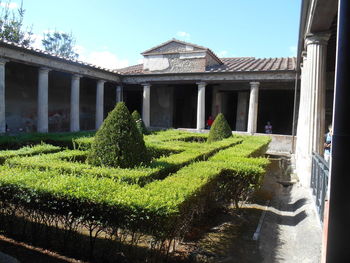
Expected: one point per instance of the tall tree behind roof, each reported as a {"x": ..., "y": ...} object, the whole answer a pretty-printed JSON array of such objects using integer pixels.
[
  {"x": 60, "y": 43},
  {"x": 11, "y": 25}
]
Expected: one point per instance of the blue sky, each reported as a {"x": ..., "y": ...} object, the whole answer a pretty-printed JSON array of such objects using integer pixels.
[{"x": 113, "y": 33}]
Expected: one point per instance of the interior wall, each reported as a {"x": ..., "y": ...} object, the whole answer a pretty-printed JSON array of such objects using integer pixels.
[
  {"x": 185, "y": 106},
  {"x": 162, "y": 104}
]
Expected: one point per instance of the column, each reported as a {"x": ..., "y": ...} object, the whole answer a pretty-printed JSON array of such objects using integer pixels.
[
  {"x": 201, "y": 106},
  {"x": 74, "y": 103},
  {"x": 2, "y": 96},
  {"x": 43, "y": 100},
  {"x": 241, "y": 118},
  {"x": 316, "y": 56},
  {"x": 99, "y": 103},
  {"x": 253, "y": 107},
  {"x": 146, "y": 104},
  {"x": 119, "y": 94}
]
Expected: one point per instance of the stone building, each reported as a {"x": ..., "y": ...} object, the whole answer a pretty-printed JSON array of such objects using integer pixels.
[{"x": 179, "y": 85}]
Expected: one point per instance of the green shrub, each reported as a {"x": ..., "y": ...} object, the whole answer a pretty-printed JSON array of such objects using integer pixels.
[
  {"x": 118, "y": 143},
  {"x": 139, "y": 122},
  {"x": 220, "y": 129}
]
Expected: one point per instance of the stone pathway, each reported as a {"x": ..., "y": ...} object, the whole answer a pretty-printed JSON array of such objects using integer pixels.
[{"x": 291, "y": 231}]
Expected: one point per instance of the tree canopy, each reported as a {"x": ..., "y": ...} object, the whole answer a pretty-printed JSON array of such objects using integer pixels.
[
  {"x": 11, "y": 25},
  {"x": 60, "y": 43}
]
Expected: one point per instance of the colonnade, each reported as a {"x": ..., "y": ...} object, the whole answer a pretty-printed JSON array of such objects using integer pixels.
[{"x": 43, "y": 103}]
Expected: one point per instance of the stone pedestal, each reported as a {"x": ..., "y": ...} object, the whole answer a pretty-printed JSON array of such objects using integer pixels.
[
  {"x": 74, "y": 104},
  {"x": 2, "y": 96},
  {"x": 241, "y": 118},
  {"x": 43, "y": 100},
  {"x": 201, "y": 106},
  {"x": 146, "y": 105},
  {"x": 253, "y": 107},
  {"x": 99, "y": 103}
]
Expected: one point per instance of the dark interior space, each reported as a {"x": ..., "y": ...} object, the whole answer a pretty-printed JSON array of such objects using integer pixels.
[
  {"x": 109, "y": 98},
  {"x": 276, "y": 106},
  {"x": 87, "y": 103},
  {"x": 132, "y": 96},
  {"x": 185, "y": 106},
  {"x": 208, "y": 102},
  {"x": 59, "y": 101},
  {"x": 229, "y": 107}
]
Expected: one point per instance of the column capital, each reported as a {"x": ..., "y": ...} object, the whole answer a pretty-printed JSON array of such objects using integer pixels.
[
  {"x": 201, "y": 83},
  {"x": 318, "y": 39},
  {"x": 254, "y": 84},
  {"x": 3, "y": 61},
  {"x": 101, "y": 81},
  {"x": 44, "y": 69},
  {"x": 76, "y": 76},
  {"x": 146, "y": 84}
]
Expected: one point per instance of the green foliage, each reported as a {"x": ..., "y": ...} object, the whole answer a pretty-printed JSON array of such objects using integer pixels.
[
  {"x": 139, "y": 122},
  {"x": 11, "y": 25},
  {"x": 118, "y": 143},
  {"x": 60, "y": 43},
  {"x": 220, "y": 129},
  {"x": 28, "y": 151}
]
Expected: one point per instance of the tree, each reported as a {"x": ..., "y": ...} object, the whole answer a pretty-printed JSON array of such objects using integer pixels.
[
  {"x": 220, "y": 129},
  {"x": 60, "y": 43},
  {"x": 11, "y": 25},
  {"x": 139, "y": 122},
  {"x": 118, "y": 143}
]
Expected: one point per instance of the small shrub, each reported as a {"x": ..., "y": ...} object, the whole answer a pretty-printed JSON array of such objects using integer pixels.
[
  {"x": 118, "y": 143},
  {"x": 220, "y": 129},
  {"x": 139, "y": 122}
]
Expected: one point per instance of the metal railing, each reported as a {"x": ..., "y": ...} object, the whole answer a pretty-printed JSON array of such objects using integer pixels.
[{"x": 319, "y": 181}]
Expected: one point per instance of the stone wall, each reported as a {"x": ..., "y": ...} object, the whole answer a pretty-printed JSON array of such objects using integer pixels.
[{"x": 162, "y": 106}]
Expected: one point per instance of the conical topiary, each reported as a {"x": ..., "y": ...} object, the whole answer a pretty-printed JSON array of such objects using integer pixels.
[
  {"x": 220, "y": 129},
  {"x": 139, "y": 122},
  {"x": 118, "y": 143}
]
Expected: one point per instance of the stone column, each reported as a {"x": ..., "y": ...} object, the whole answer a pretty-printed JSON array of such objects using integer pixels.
[
  {"x": 74, "y": 103},
  {"x": 119, "y": 94},
  {"x": 146, "y": 104},
  {"x": 201, "y": 106},
  {"x": 316, "y": 56},
  {"x": 43, "y": 100},
  {"x": 99, "y": 103},
  {"x": 2, "y": 96},
  {"x": 241, "y": 118},
  {"x": 253, "y": 107}
]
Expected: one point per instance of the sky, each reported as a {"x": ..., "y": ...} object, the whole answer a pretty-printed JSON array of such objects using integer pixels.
[{"x": 113, "y": 33}]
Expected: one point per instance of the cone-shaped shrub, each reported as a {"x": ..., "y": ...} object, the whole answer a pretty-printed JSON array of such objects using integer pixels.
[
  {"x": 118, "y": 143},
  {"x": 220, "y": 129},
  {"x": 139, "y": 122}
]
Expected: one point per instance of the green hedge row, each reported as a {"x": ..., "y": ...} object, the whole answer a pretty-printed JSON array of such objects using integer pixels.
[
  {"x": 163, "y": 208},
  {"x": 58, "y": 139},
  {"x": 72, "y": 161},
  {"x": 28, "y": 151}
]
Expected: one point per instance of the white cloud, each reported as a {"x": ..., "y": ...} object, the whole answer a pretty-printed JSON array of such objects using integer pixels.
[
  {"x": 140, "y": 61},
  {"x": 103, "y": 59},
  {"x": 183, "y": 34},
  {"x": 37, "y": 41},
  {"x": 222, "y": 53},
  {"x": 293, "y": 50},
  {"x": 10, "y": 5}
]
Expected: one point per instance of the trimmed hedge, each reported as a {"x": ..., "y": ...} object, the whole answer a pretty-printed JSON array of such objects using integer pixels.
[
  {"x": 28, "y": 151},
  {"x": 139, "y": 122},
  {"x": 220, "y": 129},
  {"x": 118, "y": 143}
]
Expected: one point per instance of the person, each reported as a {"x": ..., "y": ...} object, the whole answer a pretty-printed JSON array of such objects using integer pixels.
[
  {"x": 328, "y": 144},
  {"x": 268, "y": 128},
  {"x": 210, "y": 122}
]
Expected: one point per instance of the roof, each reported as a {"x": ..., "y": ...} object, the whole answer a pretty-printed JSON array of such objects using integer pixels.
[
  {"x": 54, "y": 56},
  {"x": 239, "y": 64}
]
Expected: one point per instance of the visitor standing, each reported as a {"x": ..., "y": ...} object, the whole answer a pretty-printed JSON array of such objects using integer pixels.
[
  {"x": 328, "y": 144},
  {"x": 210, "y": 122},
  {"x": 268, "y": 128}
]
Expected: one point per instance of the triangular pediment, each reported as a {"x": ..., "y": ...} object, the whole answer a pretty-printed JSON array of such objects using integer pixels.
[{"x": 174, "y": 46}]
